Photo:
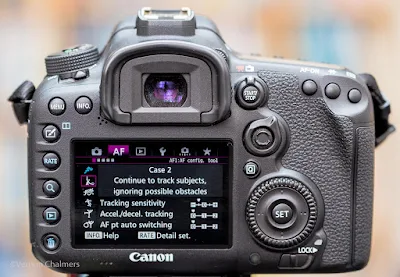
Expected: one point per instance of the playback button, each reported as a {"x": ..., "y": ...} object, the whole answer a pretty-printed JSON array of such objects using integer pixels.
[
  {"x": 51, "y": 133},
  {"x": 51, "y": 215}
]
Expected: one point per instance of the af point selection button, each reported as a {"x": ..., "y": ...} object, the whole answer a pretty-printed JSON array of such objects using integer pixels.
[
  {"x": 282, "y": 213},
  {"x": 51, "y": 161}
]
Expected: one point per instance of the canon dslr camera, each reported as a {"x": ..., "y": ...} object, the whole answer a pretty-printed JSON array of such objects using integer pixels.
[{"x": 170, "y": 154}]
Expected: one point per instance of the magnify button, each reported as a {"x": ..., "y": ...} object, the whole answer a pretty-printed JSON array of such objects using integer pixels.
[{"x": 51, "y": 188}]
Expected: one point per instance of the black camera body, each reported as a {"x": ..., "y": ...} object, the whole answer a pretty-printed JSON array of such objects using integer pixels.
[{"x": 170, "y": 154}]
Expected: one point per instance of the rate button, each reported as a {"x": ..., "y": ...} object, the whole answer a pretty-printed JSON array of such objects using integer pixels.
[{"x": 51, "y": 161}]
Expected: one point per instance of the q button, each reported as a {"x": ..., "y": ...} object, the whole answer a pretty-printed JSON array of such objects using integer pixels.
[{"x": 51, "y": 188}]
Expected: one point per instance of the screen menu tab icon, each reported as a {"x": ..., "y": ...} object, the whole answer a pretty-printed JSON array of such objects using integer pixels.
[
  {"x": 141, "y": 151},
  {"x": 118, "y": 150}
]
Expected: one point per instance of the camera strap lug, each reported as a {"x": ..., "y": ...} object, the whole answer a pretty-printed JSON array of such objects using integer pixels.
[
  {"x": 21, "y": 100},
  {"x": 381, "y": 109}
]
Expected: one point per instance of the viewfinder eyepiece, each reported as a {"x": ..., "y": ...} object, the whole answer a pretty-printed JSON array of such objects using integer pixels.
[{"x": 165, "y": 90}]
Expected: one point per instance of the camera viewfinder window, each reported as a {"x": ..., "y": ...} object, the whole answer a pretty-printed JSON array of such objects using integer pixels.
[{"x": 165, "y": 90}]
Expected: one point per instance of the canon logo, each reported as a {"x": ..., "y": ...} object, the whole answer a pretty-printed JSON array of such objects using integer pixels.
[{"x": 137, "y": 257}]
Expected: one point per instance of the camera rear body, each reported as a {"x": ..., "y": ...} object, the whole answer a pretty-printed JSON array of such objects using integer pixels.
[{"x": 170, "y": 154}]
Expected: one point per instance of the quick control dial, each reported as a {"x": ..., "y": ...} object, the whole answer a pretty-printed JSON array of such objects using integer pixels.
[
  {"x": 281, "y": 212},
  {"x": 72, "y": 60}
]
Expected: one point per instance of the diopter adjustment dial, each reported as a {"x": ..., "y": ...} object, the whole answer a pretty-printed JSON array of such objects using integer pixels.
[
  {"x": 281, "y": 213},
  {"x": 222, "y": 53},
  {"x": 72, "y": 59}
]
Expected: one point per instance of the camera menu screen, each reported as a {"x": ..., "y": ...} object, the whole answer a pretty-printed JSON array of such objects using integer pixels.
[{"x": 142, "y": 194}]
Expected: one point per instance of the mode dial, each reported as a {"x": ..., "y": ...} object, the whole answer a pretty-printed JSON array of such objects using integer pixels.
[
  {"x": 72, "y": 59},
  {"x": 281, "y": 213}
]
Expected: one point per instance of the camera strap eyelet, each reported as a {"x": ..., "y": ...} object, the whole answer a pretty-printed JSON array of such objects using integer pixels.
[{"x": 383, "y": 128}]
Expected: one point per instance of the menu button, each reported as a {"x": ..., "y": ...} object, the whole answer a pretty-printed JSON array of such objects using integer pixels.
[{"x": 57, "y": 106}]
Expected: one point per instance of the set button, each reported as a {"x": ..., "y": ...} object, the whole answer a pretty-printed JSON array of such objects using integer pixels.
[
  {"x": 51, "y": 242},
  {"x": 51, "y": 215},
  {"x": 282, "y": 213},
  {"x": 51, "y": 161},
  {"x": 51, "y": 133}
]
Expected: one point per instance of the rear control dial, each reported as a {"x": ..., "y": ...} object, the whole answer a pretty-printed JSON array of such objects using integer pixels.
[
  {"x": 251, "y": 93},
  {"x": 281, "y": 213}
]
